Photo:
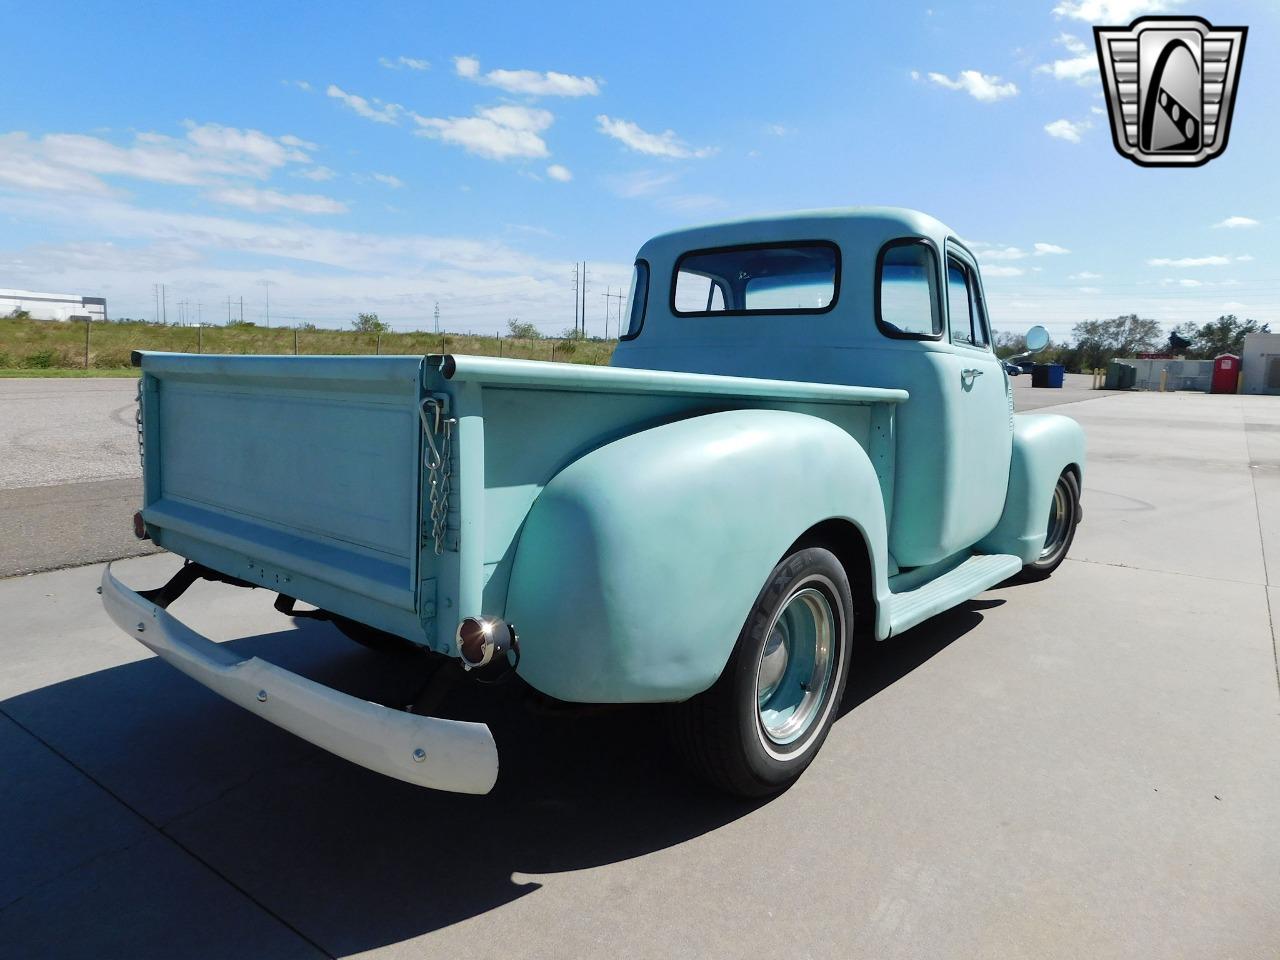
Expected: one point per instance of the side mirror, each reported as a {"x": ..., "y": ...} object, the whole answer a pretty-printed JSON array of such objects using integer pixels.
[{"x": 1037, "y": 339}]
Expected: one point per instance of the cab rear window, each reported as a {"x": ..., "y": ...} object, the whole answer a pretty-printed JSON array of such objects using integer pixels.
[{"x": 802, "y": 277}]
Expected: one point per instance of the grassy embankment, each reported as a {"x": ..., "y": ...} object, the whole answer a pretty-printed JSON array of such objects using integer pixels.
[{"x": 48, "y": 348}]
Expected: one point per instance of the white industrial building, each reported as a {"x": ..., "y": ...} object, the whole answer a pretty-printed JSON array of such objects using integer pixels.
[
  {"x": 52, "y": 306},
  {"x": 1260, "y": 363}
]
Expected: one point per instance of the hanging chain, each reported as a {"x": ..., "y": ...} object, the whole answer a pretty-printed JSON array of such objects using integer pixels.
[
  {"x": 137, "y": 417},
  {"x": 439, "y": 468}
]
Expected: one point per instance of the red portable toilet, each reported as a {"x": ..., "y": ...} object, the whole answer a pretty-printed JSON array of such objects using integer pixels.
[{"x": 1226, "y": 373}]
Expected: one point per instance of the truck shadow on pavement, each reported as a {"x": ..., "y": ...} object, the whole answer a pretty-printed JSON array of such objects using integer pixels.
[{"x": 347, "y": 858}]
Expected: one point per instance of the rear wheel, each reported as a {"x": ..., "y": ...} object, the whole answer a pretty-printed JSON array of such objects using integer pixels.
[
  {"x": 1060, "y": 530},
  {"x": 757, "y": 729}
]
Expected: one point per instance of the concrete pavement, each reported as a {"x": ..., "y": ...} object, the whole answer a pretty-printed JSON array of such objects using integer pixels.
[
  {"x": 1081, "y": 767},
  {"x": 69, "y": 473}
]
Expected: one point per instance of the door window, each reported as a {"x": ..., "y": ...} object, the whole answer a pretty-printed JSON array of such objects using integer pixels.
[{"x": 964, "y": 305}]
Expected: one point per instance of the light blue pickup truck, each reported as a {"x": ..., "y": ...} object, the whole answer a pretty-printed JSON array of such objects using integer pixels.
[{"x": 804, "y": 433}]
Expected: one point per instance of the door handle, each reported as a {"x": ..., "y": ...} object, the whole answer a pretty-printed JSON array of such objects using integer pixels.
[{"x": 972, "y": 372}]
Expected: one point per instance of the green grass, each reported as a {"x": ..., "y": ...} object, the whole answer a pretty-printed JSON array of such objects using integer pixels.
[
  {"x": 64, "y": 372},
  {"x": 45, "y": 348}
]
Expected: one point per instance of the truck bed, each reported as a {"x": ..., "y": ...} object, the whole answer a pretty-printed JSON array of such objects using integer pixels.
[{"x": 309, "y": 476}]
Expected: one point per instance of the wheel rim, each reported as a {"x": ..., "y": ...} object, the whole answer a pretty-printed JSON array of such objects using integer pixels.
[
  {"x": 796, "y": 666},
  {"x": 1059, "y": 521}
]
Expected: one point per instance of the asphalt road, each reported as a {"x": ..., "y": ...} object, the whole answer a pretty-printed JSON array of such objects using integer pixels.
[
  {"x": 69, "y": 473},
  {"x": 1081, "y": 767}
]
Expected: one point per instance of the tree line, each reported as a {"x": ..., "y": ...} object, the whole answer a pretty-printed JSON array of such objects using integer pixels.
[{"x": 1094, "y": 343}]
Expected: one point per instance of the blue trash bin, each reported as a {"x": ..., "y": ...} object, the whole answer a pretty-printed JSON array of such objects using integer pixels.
[{"x": 1048, "y": 375}]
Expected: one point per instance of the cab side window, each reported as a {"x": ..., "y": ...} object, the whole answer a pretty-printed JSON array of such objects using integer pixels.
[
  {"x": 906, "y": 290},
  {"x": 964, "y": 305}
]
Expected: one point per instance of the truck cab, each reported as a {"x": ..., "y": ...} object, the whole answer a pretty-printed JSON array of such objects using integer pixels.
[{"x": 876, "y": 297}]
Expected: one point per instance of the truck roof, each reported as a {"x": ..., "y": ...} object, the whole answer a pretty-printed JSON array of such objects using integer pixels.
[{"x": 870, "y": 223}]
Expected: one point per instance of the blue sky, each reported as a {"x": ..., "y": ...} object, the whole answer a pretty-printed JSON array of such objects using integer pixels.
[{"x": 387, "y": 157}]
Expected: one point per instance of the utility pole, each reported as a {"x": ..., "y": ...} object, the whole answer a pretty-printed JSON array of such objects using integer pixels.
[
  {"x": 164, "y": 306},
  {"x": 575, "y": 298},
  {"x": 437, "y": 316},
  {"x": 200, "y": 312},
  {"x": 584, "y": 298},
  {"x": 155, "y": 288},
  {"x": 242, "y": 309},
  {"x": 266, "y": 292},
  {"x": 228, "y": 311},
  {"x": 619, "y": 296}
]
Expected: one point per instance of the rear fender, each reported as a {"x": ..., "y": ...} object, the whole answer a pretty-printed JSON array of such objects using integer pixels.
[
  {"x": 639, "y": 562},
  {"x": 1044, "y": 445}
]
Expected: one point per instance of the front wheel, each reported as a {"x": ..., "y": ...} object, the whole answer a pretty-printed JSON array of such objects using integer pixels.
[
  {"x": 761, "y": 724},
  {"x": 1064, "y": 514}
]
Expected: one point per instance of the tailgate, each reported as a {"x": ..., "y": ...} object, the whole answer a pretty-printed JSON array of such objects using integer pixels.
[{"x": 301, "y": 473}]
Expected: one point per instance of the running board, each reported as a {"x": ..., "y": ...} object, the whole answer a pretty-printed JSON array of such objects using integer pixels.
[{"x": 956, "y": 586}]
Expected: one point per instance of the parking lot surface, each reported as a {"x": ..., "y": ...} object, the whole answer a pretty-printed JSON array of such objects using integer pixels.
[
  {"x": 1081, "y": 767},
  {"x": 69, "y": 472}
]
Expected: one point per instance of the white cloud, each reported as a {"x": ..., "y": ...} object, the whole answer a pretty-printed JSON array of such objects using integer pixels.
[
  {"x": 1245, "y": 258},
  {"x": 528, "y": 82},
  {"x": 1085, "y": 275},
  {"x": 1232, "y": 223},
  {"x": 1067, "y": 129},
  {"x": 318, "y": 173},
  {"x": 499, "y": 133},
  {"x": 641, "y": 183},
  {"x": 980, "y": 86},
  {"x": 210, "y": 152},
  {"x": 374, "y": 110},
  {"x": 1043, "y": 249},
  {"x": 665, "y": 144},
  {"x": 404, "y": 63},
  {"x": 987, "y": 252},
  {"x": 1088, "y": 289},
  {"x": 558, "y": 172},
  {"x": 1214, "y": 261},
  {"x": 477, "y": 280},
  {"x": 1081, "y": 66},
  {"x": 300, "y": 84},
  {"x": 778, "y": 129},
  {"x": 24, "y": 164},
  {"x": 998, "y": 271},
  {"x": 388, "y": 180},
  {"x": 271, "y": 201},
  {"x": 1109, "y": 12}
]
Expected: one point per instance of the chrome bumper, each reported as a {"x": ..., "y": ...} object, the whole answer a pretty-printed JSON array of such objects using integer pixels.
[{"x": 426, "y": 751}]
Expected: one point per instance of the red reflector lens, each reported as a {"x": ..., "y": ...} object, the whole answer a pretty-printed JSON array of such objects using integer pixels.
[{"x": 139, "y": 526}]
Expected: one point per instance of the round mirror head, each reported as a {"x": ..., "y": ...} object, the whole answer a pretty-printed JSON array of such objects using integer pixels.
[{"x": 1037, "y": 339}]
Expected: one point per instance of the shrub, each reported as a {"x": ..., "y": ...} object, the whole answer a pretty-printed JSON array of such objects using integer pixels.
[
  {"x": 522, "y": 329},
  {"x": 6, "y": 361},
  {"x": 110, "y": 359},
  {"x": 40, "y": 360}
]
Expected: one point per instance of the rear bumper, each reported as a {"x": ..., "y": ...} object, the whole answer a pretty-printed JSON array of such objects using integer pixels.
[{"x": 426, "y": 751}]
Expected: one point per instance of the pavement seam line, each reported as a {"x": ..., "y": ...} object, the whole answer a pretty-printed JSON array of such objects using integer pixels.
[
  {"x": 1262, "y": 545},
  {"x": 1168, "y": 573},
  {"x": 159, "y": 829}
]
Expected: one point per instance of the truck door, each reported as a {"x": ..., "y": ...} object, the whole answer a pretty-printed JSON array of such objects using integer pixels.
[{"x": 983, "y": 403}]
